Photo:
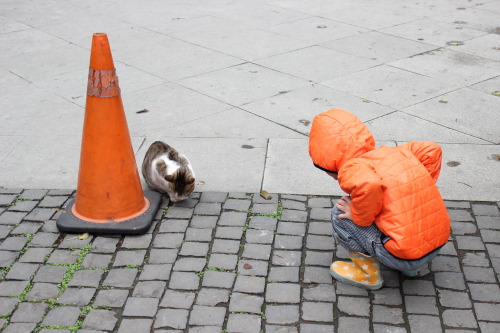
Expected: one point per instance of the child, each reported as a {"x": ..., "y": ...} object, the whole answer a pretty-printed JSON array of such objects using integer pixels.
[{"x": 394, "y": 214}]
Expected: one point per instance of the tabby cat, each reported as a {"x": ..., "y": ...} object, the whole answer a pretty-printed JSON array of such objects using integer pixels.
[{"x": 167, "y": 171}]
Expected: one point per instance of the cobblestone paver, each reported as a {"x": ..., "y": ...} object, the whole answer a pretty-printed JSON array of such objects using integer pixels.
[{"x": 223, "y": 263}]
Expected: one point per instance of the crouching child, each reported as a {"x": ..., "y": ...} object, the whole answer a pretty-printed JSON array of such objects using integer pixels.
[{"x": 394, "y": 213}]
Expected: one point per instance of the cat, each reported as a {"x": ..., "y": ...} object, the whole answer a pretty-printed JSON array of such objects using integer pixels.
[{"x": 167, "y": 171}]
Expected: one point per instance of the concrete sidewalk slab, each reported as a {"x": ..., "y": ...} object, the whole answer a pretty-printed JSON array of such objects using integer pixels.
[
  {"x": 168, "y": 105},
  {"x": 8, "y": 144},
  {"x": 431, "y": 32},
  {"x": 204, "y": 29},
  {"x": 372, "y": 17},
  {"x": 378, "y": 46},
  {"x": 61, "y": 59},
  {"x": 32, "y": 111},
  {"x": 257, "y": 14},
  {"x": 78, "y": 30},
  {"x": 46, "y": 13},
  {"x": 296, "y": 109},
  {"x": 474, "y": 18},
  {"x": 414, "y": 127},
  {"x": 313, "y": 7},
  {"x": 48, "y": 162},
  {"x": 72, "y": 87},
  {"x": 316, "y": 64},
  {"x": 424, "y": 8},
  {"x": 8, "y": 25},
  {"x": 235, "y": 164},
  {"x": 235, "y": 39},
  {"x": 391, "y": 86},
  {"x": 316, "y": 29},
  {"x": 233, "y": 123},
  {"x": 255, "y": 44},
  {"x": 450, "y": 66},
  {"x": 463, "y": 180},
  {"x": 196, "y": 60},
  {"x": 8, "y": 79},
  {"x": 243, "y": 84},
  {"x": 493, "y": 6},
  {"x": 287, "y": 174},
  {"x": 489, "y": 86},
  {"x": 27, "y": 40},
  {"x": 458, "y": 109},
  {"x": 484, "y": 46},
  {"x": 287, "y": 163}
]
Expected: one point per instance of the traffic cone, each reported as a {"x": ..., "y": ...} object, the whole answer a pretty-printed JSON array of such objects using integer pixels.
[{"x": 109, "y": 197}]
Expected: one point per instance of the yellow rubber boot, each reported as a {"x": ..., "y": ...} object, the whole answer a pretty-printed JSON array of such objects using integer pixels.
[{"x": 363, "y": 271}]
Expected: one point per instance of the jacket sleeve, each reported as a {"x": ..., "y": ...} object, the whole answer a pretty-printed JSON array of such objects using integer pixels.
[
  {"x": 429, "y": 153},
  {"x": 365, "y": 188}
]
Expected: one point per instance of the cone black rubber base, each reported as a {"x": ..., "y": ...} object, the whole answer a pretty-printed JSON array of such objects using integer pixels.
[{"x": 68, "y": 222}]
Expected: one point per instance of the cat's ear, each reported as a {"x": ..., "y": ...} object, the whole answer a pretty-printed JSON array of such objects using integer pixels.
[
  {"x": 169, "y": 178},
  {"x": 190, "y": 180}
]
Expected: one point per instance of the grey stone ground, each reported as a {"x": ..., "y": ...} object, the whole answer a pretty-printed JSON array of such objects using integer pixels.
[
  {"x": 233, "y": 262},
  {"x": 234, "y": 84}
]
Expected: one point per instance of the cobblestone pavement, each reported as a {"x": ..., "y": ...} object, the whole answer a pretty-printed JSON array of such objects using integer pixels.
[{"x": 233, "y": 262}]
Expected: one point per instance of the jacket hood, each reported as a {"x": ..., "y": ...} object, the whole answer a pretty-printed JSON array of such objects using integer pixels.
[{"x": 337, "y": 136}]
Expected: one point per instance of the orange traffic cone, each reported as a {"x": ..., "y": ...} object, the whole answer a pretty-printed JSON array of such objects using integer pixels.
[{"x": 109, "y": 196}]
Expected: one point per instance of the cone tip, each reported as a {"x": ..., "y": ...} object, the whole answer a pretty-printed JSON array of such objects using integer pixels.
[
  {"x": 100, "y": 36},
  {"x": 100, "y": 54}
]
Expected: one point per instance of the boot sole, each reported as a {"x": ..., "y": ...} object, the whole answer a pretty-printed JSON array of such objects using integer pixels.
[{"x": 343, "y": 279}]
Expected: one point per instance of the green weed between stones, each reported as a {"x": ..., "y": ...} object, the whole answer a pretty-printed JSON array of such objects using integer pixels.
[
  {"x": 84, "y": 313},
  {"x": 51, "y": 327},
  {"x": 6, "y": 270},
  {"x": 79, "y": 323},
  {"x": 215, "y": 269},
  {"x": 51, "y": 302},
  {"x": 29, "y": 239},
  {"x": 72, "y": 268},
  {"x": 17, "y": 200},
  {"x": 29, "y": 236},
  {"x": 277, "y": 215},
  {"x": 97, "y": 269},
  {"x": 7, "y": 321},
  {"x": 22, "y": 296}
]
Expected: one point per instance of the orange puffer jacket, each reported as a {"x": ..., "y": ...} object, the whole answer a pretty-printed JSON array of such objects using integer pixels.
[{"x": 393, "y": 187}]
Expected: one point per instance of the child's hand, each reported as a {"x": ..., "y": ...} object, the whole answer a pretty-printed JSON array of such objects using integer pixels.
[{"x": 344, "y": 204}]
